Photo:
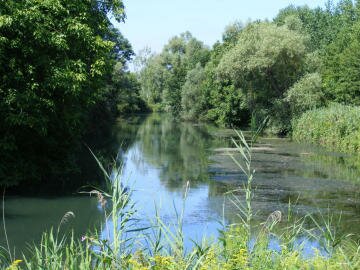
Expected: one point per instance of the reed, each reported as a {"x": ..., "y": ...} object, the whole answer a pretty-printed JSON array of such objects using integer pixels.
[
  {"x": 335, "y": 127},
  {"x": 239, "y": 246}
]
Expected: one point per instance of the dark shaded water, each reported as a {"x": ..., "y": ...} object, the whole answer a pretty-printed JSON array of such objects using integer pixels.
[{"x": 161, "y": 156}]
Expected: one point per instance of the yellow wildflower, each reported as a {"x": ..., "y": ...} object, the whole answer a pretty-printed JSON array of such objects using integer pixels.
[
  {"x": 162, "y": 261},
  {"x": 14, "y": 265}
]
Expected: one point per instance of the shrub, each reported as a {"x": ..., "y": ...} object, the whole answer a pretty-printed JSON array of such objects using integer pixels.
[
  {"x": 336, "y": 127},
  {"x": 305, "y": 94}
]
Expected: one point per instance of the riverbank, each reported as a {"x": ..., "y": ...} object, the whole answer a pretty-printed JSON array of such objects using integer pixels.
[
  {"x": 123, "y": 244},
  {"x": 159, "y": 156},
  {"x": 228, "y": 253}
]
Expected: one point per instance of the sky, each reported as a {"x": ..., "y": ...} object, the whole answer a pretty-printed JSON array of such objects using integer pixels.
[{"x": 151, "y": 23}]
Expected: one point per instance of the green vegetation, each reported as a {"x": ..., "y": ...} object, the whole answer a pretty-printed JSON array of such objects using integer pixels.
[
  {"x": 63, "y": 76},
  {"x": 306, "y": 94},
  {"x": 121, "y": 246},
  {"x": 183, "y": 147},
  {"x": 64, "y": 79},
  {"x": 341, "y": 76},
  {"x": 335, "y": 167},
  {"x": 336, "y": 127},
  {"x": 304, "y": 59},
  {"x": 165, "y": 74}
]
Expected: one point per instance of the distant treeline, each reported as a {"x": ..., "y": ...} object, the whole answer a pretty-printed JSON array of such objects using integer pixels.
[
  {"x": 302, "y": 60},
  {"x": 63, "y": 77}
]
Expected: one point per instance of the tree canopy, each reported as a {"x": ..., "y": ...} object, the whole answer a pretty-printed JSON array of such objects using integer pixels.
[
  {"x": 63, "y": 70},
  {"x": 304, "y": 59},
  {"x": 56, "y": 58},
  {"x": 164, "y": 74}
]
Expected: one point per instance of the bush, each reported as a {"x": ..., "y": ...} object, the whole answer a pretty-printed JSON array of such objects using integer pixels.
[
  {"x": 305, "y": 94},
  {"x": 335, "y": 127}
]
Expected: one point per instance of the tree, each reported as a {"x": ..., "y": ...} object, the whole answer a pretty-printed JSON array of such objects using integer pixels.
[
  {"x": 321, "y": 24},
  {"x": 265, "y": 62},
  {"x": 192, "y": 97},
  {"x": 141, "y": 59},
  {"x": 341, "y": 67},
  {"x": 56, "y": 58},
  {"x": 164, "y": 74},
  {"x": 125, "y": 90},
  {"x": 232, "y": 32},
  {"x": 306, "y": 94}
]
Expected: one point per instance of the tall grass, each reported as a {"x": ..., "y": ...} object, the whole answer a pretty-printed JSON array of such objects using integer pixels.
[
  {"x": 336, "y": 127},
  {"x": 239, "y": 246}
]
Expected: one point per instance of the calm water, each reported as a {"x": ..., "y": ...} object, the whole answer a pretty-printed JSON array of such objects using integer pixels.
[{"x": 161, "y": 156}]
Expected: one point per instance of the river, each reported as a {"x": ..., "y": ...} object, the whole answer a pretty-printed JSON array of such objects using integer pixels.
[{"x": 161, "y": 157}]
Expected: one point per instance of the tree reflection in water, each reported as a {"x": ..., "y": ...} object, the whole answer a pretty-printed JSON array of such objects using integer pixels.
[{"x": 181, "y": 149}]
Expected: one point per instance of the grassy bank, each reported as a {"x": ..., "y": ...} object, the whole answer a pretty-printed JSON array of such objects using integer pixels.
[
  {"x": 336, "y": 127},
  {"x": 121, "y": 244}
]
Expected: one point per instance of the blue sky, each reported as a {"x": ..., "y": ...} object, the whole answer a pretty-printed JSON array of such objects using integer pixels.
[{"x": 153, "y": 22}]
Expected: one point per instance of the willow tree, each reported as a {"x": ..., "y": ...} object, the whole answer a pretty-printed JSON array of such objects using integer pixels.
[{"x": 266, "y": 61}]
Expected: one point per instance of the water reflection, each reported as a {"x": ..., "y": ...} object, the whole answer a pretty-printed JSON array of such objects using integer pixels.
[
  {"x": 27, "y": 218},
  {"x": 285, "y": 174},
  {"x": 167, "y": 154},
  {"x": 181, "y": 150},
  {"x": 161, "y": 155}
]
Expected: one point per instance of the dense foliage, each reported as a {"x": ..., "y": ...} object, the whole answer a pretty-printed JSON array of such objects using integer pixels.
[
  {"x": 336, "y": 126},
  {"x": 264, "y": 63},
  {"x": 64, "y": 75},
  {"x": 165, "y": 74},
  {"x": 341, "y": 67},
  {"x": 304, "y": 59},
  {"x": 56, "y": 63}
]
